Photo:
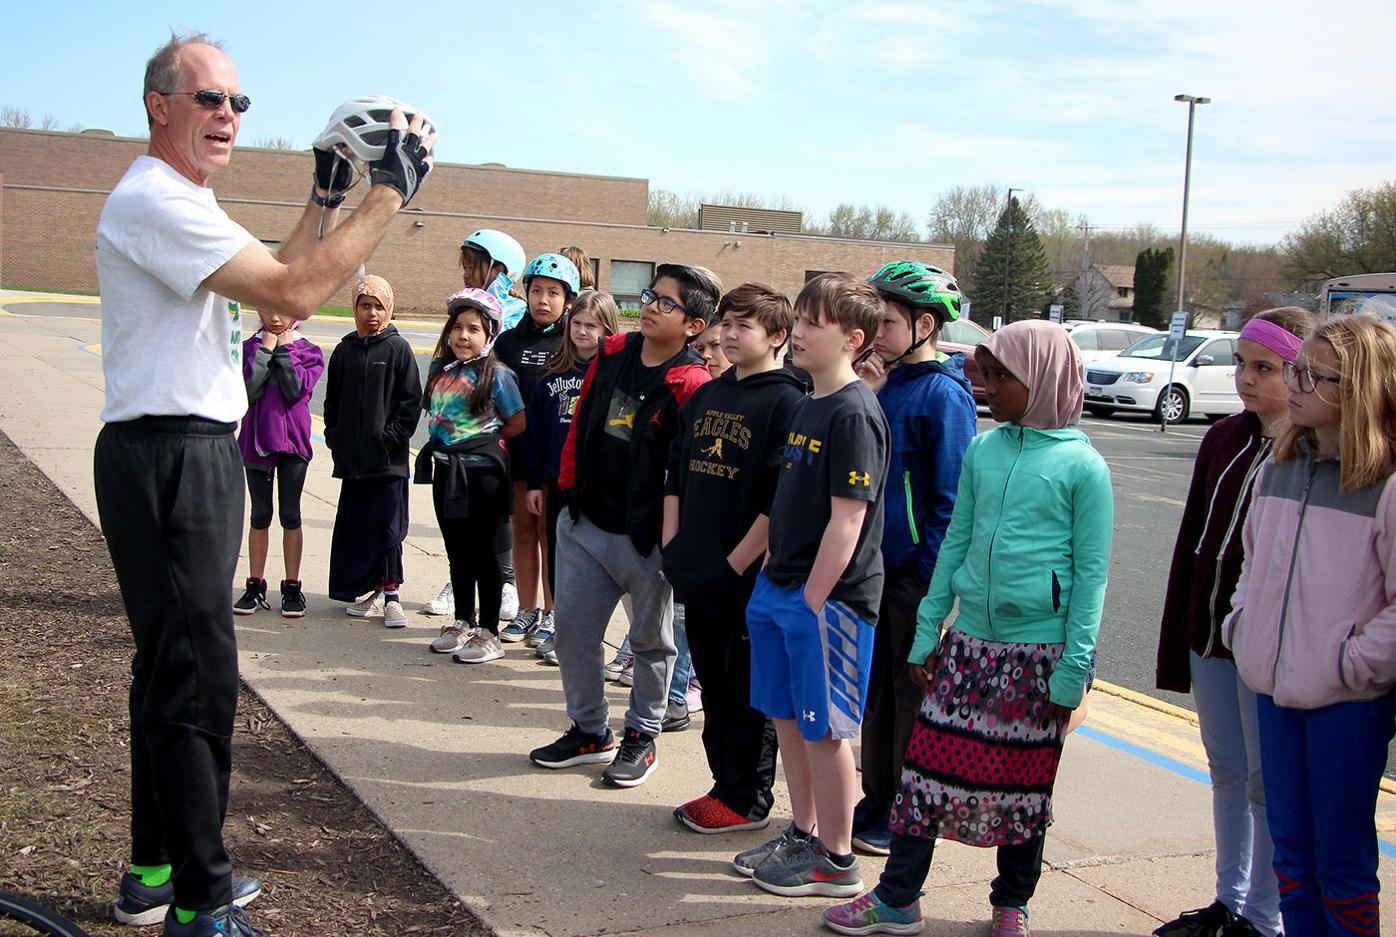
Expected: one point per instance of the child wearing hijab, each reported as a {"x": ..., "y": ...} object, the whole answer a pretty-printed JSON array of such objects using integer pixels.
[
  {"x": 1026, "y": 554},
  {"x": 373, "y": 395}
]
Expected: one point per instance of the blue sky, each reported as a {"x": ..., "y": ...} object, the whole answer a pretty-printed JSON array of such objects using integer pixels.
[{"x": 816, "y": 102}]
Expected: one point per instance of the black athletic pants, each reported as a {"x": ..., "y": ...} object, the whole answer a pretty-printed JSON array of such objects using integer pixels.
[
  {"x": 169, "y": 494},
  {"x": 1019, "y": 865},
  {"x": 470, "y": 544},
  {"x": 893, "y": 700},
  {"x": 739, "y": 740}
]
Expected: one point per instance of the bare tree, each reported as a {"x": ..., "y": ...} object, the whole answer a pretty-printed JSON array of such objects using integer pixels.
[
  {"x": 274, "y": 143},
  {"x": 16, "y": 117},
  {"x": 48, "y": 122}
]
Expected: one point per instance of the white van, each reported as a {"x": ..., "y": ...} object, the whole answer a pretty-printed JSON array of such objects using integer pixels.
[
  {"x": 1104, "y": 339},
  {"x": 1204, "y": 379}
]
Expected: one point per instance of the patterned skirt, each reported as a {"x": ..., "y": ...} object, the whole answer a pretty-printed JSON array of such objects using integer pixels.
[{"x": 981, "y": 762}]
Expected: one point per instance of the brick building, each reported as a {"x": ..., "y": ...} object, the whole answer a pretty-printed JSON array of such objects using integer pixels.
[{"x": 52, "y": 186}]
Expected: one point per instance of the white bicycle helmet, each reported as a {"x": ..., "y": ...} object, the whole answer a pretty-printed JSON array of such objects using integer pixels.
[
  {"x": 361, "y": 125},
  {"x": 499, "y": 247}
]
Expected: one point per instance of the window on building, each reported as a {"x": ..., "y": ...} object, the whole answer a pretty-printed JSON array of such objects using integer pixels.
[
  {"x": 595, "y": 272},
  {"x": 628, "y": 277},
  {"x": 1124, "y": 291}
]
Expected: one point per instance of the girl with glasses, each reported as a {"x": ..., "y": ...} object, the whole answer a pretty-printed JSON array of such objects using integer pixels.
[
  {"x": 1191, "y": 658},
  {"x": 1313, "y": 623}
]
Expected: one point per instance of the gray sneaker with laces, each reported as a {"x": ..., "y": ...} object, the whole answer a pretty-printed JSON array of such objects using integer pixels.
[
  {"x": 807, "y": 870},
  {"x": 748, "y": 862},
  {"x": 518, "y": 629}
]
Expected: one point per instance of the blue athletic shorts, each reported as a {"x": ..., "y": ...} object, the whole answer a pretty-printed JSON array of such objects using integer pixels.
[{"x": 809, "y": 668}]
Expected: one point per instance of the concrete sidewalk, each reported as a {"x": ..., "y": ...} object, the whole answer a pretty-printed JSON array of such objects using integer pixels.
[{"x": 438, "y": 750}]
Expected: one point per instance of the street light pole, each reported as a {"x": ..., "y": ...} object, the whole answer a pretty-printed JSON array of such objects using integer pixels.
[
  {"x": 1192, "y": 103},
  {"x": 1008, "y": 260}
]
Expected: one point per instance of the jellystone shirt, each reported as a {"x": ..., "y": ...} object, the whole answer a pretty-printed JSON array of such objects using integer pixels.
[
  {"x": 451, "y": 422},
  {"x": 836, "y": 447},
  {"x": 169, "y": 347}
]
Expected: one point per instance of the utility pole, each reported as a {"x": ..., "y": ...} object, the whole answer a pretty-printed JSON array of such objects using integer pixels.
[
  {"x": 1192, "y": 102},
  {"x": 1085, "y": 268},
  {"x": 1008, "y": 259}
]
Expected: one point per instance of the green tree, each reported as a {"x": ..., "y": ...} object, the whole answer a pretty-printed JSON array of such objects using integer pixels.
[
  {"x": 1151, "y": 268},
  {"x": 1358, "y": 236},
  {"x": 1013, "y": 278}
]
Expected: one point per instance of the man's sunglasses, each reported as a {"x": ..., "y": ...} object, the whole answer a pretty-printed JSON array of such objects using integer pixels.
[{"x": 212, "y": 99}]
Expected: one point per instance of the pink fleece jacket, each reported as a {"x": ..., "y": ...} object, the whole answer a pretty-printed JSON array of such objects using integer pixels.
[{"x": 1313, "y": 620}]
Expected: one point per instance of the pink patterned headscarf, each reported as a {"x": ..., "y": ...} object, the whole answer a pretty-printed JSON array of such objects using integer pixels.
[{"x": 1042, "y": 355}]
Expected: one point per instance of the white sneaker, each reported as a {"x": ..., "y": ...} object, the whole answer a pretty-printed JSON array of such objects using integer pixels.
[
  {"x": 394, "y": 616},
  {"x": 479, "y": 648},
  {"x": 373, "y": 605},
  {"x": 451, "y": 639},
  {"x": 443, "y": 604},
  {"x": 509, "y": 602}
]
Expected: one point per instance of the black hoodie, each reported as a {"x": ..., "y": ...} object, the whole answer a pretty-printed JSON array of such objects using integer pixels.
[
  {"x": 373, "y": 396},
  {"x": 723, "y": 466}
]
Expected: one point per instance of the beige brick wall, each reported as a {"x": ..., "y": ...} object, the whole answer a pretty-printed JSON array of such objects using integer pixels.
[{"x": 54, "y": 185}]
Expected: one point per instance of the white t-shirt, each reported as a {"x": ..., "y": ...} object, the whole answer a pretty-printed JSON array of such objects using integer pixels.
[{"x": 169, "y": 348}]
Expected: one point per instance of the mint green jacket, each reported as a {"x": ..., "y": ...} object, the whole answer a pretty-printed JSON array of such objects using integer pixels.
[{"x": 1027, "y": 551}]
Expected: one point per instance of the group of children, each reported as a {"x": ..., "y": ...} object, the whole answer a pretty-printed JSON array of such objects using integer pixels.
[{"x": 807, "y": 481}]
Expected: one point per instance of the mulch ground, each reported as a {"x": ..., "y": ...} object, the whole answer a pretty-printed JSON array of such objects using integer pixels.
[{"x": 327, "y": 865}]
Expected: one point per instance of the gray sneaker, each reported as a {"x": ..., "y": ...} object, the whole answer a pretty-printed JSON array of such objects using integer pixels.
[
  {"x": 748, "y": 862},
  {"x": 542, "y": 629},
  {"x": 393, "y": 615},
  {"x": 807, "y": 870},
  {"x": 453, "y": 636},
  {"x": 479, "y": 648}
]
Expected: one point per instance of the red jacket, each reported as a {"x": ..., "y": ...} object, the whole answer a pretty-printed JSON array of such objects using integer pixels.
[{"x": 656, "y": 422}]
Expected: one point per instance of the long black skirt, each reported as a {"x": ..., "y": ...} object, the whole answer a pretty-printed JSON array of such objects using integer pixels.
[{"x": 369, "y": 528}]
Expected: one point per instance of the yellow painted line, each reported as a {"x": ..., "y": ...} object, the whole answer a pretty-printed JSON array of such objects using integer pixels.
[{"x": 1143, "y": 699}]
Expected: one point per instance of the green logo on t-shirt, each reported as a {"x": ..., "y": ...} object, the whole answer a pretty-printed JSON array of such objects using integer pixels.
[{"x": 235, "y": 332}]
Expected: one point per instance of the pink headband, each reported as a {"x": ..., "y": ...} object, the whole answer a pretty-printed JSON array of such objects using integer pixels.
[{"x": 1277, "y": 338}]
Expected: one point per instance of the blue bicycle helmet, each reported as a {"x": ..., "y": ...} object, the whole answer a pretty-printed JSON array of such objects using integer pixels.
[
  {"x": 557, "y": 267},
  {"x": 499, "y": 247}
]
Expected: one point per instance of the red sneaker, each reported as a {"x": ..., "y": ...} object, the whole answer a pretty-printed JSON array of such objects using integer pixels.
[{"x": 709, "y": 815}]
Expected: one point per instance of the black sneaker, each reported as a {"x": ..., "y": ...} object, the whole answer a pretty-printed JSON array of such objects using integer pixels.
[
  {"x": 576, "y": 748},
  {"x": 676, "y": 718},
  {"x": 253, "y": 597},
  {"x": 227, "y": 921},
  {"x": 292, "y": 599},
  {"x": 1240, "y": 927},
  {"x": 141, "y": 905},
  {"x": 1210, "y": 921},
  {"x": 635, "y": 761}
]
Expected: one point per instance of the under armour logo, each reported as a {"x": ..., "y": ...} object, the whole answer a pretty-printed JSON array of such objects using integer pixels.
[
  {"x": 854, "y": 478},
  {"x": 807, "y": 715}
]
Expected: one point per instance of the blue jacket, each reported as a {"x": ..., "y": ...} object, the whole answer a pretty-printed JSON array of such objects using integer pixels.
[{"x": 930, "y": 413}]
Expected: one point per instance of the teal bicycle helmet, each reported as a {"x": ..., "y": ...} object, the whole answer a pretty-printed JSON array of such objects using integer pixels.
[{"x": 557, "y": 267}]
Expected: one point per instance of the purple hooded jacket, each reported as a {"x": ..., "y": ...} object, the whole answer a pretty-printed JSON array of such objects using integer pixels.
[{"x": 279, "y": 384}]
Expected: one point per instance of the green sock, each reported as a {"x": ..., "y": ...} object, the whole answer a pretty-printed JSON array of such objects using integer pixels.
[
  {"x": 152, "y": 876},
  {"x": 185, "y": 917}
]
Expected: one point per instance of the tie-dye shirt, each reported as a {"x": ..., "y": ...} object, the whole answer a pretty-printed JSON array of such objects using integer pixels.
[{"x": 449, "y": 419}]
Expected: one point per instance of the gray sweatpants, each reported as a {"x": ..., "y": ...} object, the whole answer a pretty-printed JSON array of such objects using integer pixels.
[{"x": 594, "y": 570}]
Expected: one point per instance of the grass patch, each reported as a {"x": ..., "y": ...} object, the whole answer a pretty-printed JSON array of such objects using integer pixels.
[{"x": 343, "y": 312}]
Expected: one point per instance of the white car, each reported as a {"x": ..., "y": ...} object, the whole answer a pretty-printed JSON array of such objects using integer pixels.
[
  {"x": 1099, "y": 340},
  {"x": 1203, "y": 379}
]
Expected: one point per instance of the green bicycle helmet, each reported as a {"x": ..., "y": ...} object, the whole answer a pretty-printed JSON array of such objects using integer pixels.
[{"x": 920, "y": 286}]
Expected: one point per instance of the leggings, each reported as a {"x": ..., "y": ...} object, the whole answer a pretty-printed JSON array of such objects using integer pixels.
[
  {"x": 290, "y": 472},
  {"x": 470, "y": 546}
]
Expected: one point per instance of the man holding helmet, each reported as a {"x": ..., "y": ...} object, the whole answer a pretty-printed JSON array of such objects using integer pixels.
[{"x": 173, "y": 270}]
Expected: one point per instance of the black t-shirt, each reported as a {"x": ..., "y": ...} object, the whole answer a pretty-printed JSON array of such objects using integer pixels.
[
  {"x": 604, "y": 503},
  {"x": 836, "y": 447}
]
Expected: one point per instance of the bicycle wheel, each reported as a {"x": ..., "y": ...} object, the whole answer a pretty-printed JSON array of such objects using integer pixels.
[{"x": 21, "y": 916}]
